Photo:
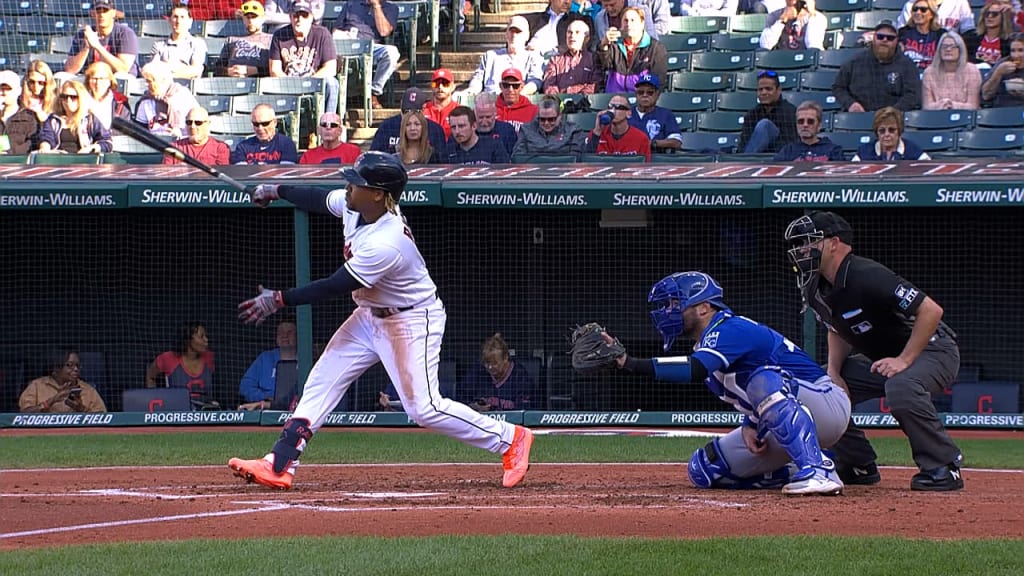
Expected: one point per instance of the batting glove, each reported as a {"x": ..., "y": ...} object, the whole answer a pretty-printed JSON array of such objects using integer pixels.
[
  {"x": 256, "y": 310},
  {"x": 264, "y": 194}
]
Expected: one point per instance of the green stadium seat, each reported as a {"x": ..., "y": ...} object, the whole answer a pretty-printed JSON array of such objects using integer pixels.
[
  {"x": 686, "y": 101},
  {"x": 818, "y": 80},
  {"x": 161, "y": 28},
  {"x": 838, "y": 22},
  {"x": 836, "y": 58},
  {"x": 889, "y": 5},
  {"x": 721, "y": 61},
  {"x": 735, "y": 42},
  {"x": 853, "y": 121},
  {"x": 699, "y": 24},
  {"x": 677, "y": 61},
  {"x": 939, "y": 119},
  {"x": 57, "y": 159},
  {"x": 144, "y": 9},
  {"x": 991, "y": 140},
  {"x": 332, "y": 10},
  {"x": 61, "y": 44},
  {"x": 932, "y": 140},
  {"x": 709, "y": 142},
  {"x": 599, "y": 101},
  {"x": 747, "y": 81},
  {"x": 747, "y": 23},
  {"x": 685, "y": 42},
  {"x": 224, "y": 28},
  {"x": 842, "y": 5},
  {"x": 787, "y": 60},
  {"x": 703, "y": 82},
  {"x": 1000, "y": 118},
  {"x": 20, "y": 7},
  {"x": 46, "y": 25},
  {"x": 54, "y": 61},
  {"x": 309, "y": 91},
  {"x": 214, "y": 104},
  {"x": 827, "y": 101},
  {"x": 687, "y": 121},
  {"x": 124, "y": 144},
  {"x": 739, "y": 101},
  {"x": 585, "y": 120},
  {"x": 4, "y": 26},
  {"x": 359, "y": 51},
  {"x": 725, "y": 121},
  {"x": 850, "y": 141},
  {"x": 67, "y": 8},
  {"x": 868, "y": 20},
  {"x": 13, "y": 159},
  {"x": 224, "y": 86}
]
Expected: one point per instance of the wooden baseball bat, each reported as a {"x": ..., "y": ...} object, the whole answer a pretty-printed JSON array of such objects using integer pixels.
[{"x": 137, "y": 132}]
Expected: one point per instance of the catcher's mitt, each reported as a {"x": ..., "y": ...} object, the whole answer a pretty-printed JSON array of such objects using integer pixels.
[{"x": 592, "y": 351}]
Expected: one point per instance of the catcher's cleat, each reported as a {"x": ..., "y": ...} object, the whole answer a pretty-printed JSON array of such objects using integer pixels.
[
  {"x": 261, "y": 472},
  {"x": 516, "y": 460},
  {"x": 818, "y": 485}
]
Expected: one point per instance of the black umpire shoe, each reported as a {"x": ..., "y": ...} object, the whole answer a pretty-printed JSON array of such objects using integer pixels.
[
  {"x": 859, "y": 475},
  {"x": 942, "y": 479}
]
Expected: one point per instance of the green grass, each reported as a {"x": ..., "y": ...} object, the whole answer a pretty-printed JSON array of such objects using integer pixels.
[
  {"x": 527, "y": 555},
  {"x": 191, "y": 448}
]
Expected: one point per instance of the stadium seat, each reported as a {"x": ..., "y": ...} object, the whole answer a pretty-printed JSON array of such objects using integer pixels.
[
  {"x": 18, "y": 8},
  {"x": 854, "y": 121},
  {"x": 61, "y": 44},
  {"x": 686, "y": 101},
  {"x": 360, "y": 51},
  {"x": 214, "y": 104},
  {"x": 721, "y": 61},
  {"x": 283, "y": 105},
  {"x": 938, "y": 119},
  {"x": 842, "y": 5},
  {"x": 144, "y": 10},
  {"x": 687, "y": 121},
  {"x": 703, "y": 82},
  {"x": 309, "y": 91},
  {"x": 735, "y": 42},
  {"x": 837, "y": 23},
  {"x": 46, "y": 25},
  {"x": 224, "y": 86},
  {"x": 4, "y": 27},
  {"x": 709, "y": 142},
  {"x": 747, "y": 81},
  {"x": 599, "y": 101},
  {"x": 585, "y": 120},
  {"x": 836, "y": 58},
  {"x": 224, "y": 28},
  {"x": 991, "y": 140},
  {"x": 699, "y": 24},
  {"x": 850, "y": 39},
  {"x": 55, "y": 159},
  {"x": 818, "y": 80},
  {"x": 932, "y": 140},
  {"x": 15, "y": 45},
  {"x": 677, "y": 61},
  {"x": 889, "y": 5},
  {"x": 739, "y": 101},
  {"x": 826, "y": 99},
  {"x": 228, "y": 126},
  {"x": 849, "y": 141},
  {"x": 54, "y": 61},
  {"x": 685, "y": 42},
  {"x": 673, "y": 8},
  {"x": 156, "y": 400},
  {"x": 747, "y": 23},
  {"x": 868, "y": 20},
  {"x": 720, "y": 121},
  {"x": 13, "y": 159},
  {"x": 1000, "y": 118},
  {"x": 826, "y": 121},
  {"x": 787, "y": 59},
  {"x": 67, "y": 8},
  {"x": 405, "y": 35},
  {"x": 161, "y": 27},
  {"x": 332, "y": 10}
]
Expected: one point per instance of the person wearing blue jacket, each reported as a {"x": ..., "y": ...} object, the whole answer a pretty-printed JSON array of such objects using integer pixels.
[
  {"x": 260, "y": 381},
  {"x": 889, "y": 144},
  {"x": 810, "y": 147}
]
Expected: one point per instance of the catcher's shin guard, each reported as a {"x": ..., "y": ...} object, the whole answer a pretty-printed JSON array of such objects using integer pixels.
[
  {"x": 292, "y": 442},
  {"x": 707, "y": 469},
  {"x": 788, "y": 420}
]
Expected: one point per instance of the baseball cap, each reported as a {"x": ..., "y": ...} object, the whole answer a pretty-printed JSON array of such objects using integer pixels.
[
  {"x": 648, "y": 79},
  {"x": 831, "y": 224},
  {"x": 12, "y": 80},
  {"x": 103, "y": 4},
  {"x": 512, "y": 73},
  {"x": 252, "y": 7},
  {"x": 886, "y": 24},
  {"x": 519, "y": 23},
  {"x": 443, "y": 74},
  {"x": 413, "y": 99},
  {"x": 302, "y": 6}
]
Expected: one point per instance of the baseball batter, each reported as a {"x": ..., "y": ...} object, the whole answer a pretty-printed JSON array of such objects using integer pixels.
[
  {"x": 399, "y": 321},
  {"x": 791, "y": 407}
]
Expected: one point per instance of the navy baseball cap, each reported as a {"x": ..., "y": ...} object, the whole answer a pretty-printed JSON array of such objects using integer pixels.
[
  {"x": 649, "y": 79},
  {"x": 832, "y": 224},
  {"x": 302, "y": 6}
]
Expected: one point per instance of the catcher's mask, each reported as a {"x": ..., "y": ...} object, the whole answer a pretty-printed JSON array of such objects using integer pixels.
[
  {"x": 677, "y": 292},
  {"x": 804, "y": 236}
]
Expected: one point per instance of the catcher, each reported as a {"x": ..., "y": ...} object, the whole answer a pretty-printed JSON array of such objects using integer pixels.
[{"x": 791, "y": 406}]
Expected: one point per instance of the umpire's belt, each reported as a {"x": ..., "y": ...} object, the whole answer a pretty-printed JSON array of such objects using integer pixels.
[{"x": 388, "y": 312}]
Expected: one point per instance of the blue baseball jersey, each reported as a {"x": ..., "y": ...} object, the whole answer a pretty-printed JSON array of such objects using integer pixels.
[{"x": 733, "y": 347}]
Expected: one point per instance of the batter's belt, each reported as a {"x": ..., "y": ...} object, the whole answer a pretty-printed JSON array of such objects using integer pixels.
[{"x": 388, "y": 312}]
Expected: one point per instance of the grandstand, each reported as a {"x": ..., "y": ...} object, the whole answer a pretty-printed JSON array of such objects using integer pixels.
[{"x": 713, "y": 64}]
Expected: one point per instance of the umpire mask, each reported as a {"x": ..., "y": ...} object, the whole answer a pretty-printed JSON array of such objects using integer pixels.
[{"x": 804, "y": 236}]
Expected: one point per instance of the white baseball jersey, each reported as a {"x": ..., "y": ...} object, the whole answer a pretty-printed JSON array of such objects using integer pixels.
[{"x": 384, "y": 258}]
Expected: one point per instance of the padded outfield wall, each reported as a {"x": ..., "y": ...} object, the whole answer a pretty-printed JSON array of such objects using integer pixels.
[{"x": 111, "y": 259}]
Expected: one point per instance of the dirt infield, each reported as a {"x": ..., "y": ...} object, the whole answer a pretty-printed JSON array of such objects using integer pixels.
[{"x": 95, "y": 505}]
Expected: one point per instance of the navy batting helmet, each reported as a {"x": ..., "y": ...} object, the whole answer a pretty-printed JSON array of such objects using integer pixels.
[
  {"x": 675, "y": 293},
  {"x": 378, "y": 170}
]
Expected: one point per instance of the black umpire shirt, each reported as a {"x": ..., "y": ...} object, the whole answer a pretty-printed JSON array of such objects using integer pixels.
[{"x": 870, "y": 306}]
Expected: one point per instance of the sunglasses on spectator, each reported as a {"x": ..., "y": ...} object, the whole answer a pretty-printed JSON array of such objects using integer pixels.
[
  {"x": 645, "y": 92},
  {"x": 921, "y": 9},
  {"x": 195, "y": 122},
  {"x": 622, "y": 107},
  {"x": 37, "y": 82},
  {"x": 301, "y": 14},
  {"x": 547, "y": 119},
  {"x": 885, "y": 37},
  {"x": 993, "y": 14},
  {"x": 330, "y": 125},
  {"x": 806, "y": 121},
  {"x": 768, "y": 73},
  {"x": 262, "y": 124},
  {"x": 69, "y": 96},
  {"x": 510, "y": 85},
  {"x": 888, "y": 130},
  {"x": 437, "y": 83}
]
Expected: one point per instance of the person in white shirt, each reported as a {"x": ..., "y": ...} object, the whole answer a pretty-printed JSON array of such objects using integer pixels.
[
  {"x": 185, "y": 53},
  {"x": 953, "y": 15}
]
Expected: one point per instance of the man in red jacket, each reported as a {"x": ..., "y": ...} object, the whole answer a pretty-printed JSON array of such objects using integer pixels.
[
  {"x": 513, "y": 107},
  {"x": 441, "y": 105},
  {"x": 198, "y": 143}
]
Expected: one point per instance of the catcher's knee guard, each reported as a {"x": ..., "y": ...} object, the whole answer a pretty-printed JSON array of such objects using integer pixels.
[
  {"x": 292, "y": 442},
  {"x": 788, "y": 420},
  {"x": 707, "y": 469}
]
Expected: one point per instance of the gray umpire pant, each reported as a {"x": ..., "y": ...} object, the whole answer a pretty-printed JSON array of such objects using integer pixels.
[{"x": 909, "y": 397}]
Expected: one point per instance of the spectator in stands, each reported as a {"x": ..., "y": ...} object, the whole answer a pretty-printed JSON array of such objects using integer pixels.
[
  {"x": 108, "y": 103},
  {"x": 183, "y": 52},
  {"x": 994, "y": 89},
  {"x": 465, "y": 147},
  {"x": 657, "y": 17},
  {"x": 487, "y": 124},
  {"x": 658, "y": 123},
  {"x": 165, "y": 104},
  {"x": 951, "y": 14},
  {"x": 372, "y": 20},
  {"x": 265, "y": 146},
  {"x": 889, "y": 145},
  {"x": 279, "y": 12},
  {"x": 771, "y": 124},
  {"x": 72, "y": 128},
  {"x": 389, "y": 131},
  {"x": 112, "y": 42},
  {"x": 797, "y": 26},
  {"x": 991, "y": 38},
  {"x": 438, "y": 108},
  {"x": 204, "y": 10},
  {"x": 549, "y": 27},
  {"x": 332, "y": 149},
  {"x": 247, "y": 56},
  {"x": 548, "y": 133},
  {"x": 574, "y": 70},
  {"x": 487, "y": 77},
  {"x": 613, "y": 135},
  {"x": 62, "y": 390},
  {"x": 951, "y": 82},
  {"x": 880, "y": 76},
  {"x": 16, "y": 130},
  {"x": 189, "y": 365},
  {"x": 39, "y": 90},
  {"x": 259, "y": 384},
  {"x": 512, "y": 106},
  {"x": 920, "y": 37},
  {"x": 629, "y": 54},
  {"x": 306, "y": 50},
  {"x": 198, "y": 144},
  {"x": 499, "y": 383},
  {"x": 414, "y": 143},
  {"x": 708, "y": 7},
  {"x": 810, "y": 147}
]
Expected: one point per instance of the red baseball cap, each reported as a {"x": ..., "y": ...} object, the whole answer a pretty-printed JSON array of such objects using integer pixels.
[
  {"x": 443, "y": 74},
  {"x": 512, "y": 73}
]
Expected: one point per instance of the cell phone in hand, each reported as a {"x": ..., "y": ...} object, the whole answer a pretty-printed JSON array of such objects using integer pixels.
[{"x": 75, "y": 392}]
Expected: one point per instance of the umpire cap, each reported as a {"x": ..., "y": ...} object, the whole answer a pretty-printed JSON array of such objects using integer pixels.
[
  {"x": 818, "y": 225},
  {"x": 378, "y": 170}
]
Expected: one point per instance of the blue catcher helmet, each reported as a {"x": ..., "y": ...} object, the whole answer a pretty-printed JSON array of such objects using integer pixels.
[{"x": 674, "y": 293}]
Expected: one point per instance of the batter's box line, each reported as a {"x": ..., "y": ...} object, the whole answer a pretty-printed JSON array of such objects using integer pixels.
[{"x": 470, "y": 507}]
